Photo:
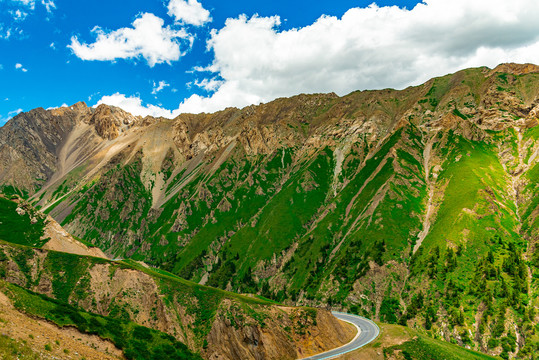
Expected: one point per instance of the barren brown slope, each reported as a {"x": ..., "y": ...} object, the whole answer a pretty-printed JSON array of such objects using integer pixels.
[
  {"x": 61, "y": 240},
  {"x": 64, "y": 343}
]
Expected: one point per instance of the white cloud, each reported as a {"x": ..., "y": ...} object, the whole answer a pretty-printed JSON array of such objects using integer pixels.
[
  {"x": 188, "y": 12},
  {"x": 134, "y": 105},
  {"x": 14, "y": 112},
  {"x": 18, "y": 15},
  {"x": 367, "y": 48},
  {"x": 20, "y": 67},
  {"x": 49, "y": 5},
  {"x": 57, "y": 107},
  {"x": 52, "y": 46},
  {"x": 5, "y": 32},
  {"x": 147, "y": 38},
  {"x": 208, "y": 84},
  {"x": 159, "y": 86}
]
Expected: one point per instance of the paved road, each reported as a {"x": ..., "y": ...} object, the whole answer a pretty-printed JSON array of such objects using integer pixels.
[{"x": 368, "y": 331}]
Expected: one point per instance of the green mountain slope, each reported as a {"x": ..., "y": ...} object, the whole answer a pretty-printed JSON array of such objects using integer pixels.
[{"x": 402, "y": 343}]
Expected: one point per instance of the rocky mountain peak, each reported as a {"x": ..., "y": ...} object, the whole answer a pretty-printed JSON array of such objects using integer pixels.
[
  {"x": 110, "y": 121},
  {"x": 80, "y": 106}
]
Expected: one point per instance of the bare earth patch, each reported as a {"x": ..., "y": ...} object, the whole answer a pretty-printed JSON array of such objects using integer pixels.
[{"x": 64, "y": 343}]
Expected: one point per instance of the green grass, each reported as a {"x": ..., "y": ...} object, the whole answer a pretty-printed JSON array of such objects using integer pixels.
[
  {"x": 117, "y": 217},
  {"x": 67, "y": 270},
  {"x": 469, "y": 179},
  {"x": 529, "y": 216},
  {"x": 167, "y": 276},
  {"x": 288, "y": 211},
  {"x": 11, "y": 349},
  {"x": 355, "y": 251},
  {"x": 426, "y": 348},
  {"x": 10, "y": 190},
  {"x": 21, "y": 229}
]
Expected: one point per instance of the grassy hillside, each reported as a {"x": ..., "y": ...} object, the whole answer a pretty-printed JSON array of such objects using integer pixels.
[
  {"x": 21, "y": 224},
  {"x": 425, "y": 348},
  {"x": 401, "y": 343},
  {"x": 11, "y": 349},
  {"x": 71, "y": 281}
]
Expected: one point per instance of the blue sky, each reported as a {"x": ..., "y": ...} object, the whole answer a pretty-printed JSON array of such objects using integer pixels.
[{"x": 163, "y": 57}]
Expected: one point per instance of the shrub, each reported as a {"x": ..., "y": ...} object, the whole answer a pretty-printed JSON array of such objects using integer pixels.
[{"x": 493, "y": 343}]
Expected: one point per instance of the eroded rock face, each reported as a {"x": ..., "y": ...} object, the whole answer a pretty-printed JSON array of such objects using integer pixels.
[
  {"x": 282, "y": 333},
  {"x": 109, "y": 121},
  {"x": 516, "y": 69},
  {"x": 29, "y": 144}
]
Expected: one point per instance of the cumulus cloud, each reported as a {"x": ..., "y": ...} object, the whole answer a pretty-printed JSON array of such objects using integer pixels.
[
  {"x": 188, "y": 12},
  {"x": 14, "y": 112},
  {"x": 148, "y": 38},
  {"x": 133, "y": 104},
  {"x": 20, "y": 67},
  {"x": 367, "y": 48},
  {"x": 159, "y": 86}
]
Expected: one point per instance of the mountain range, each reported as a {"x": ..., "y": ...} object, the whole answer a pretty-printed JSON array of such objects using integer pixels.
[{"x": 415, "y": 207}]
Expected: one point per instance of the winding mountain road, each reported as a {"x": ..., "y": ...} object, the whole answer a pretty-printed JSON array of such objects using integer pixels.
[{"x": 367, "y": 332}]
